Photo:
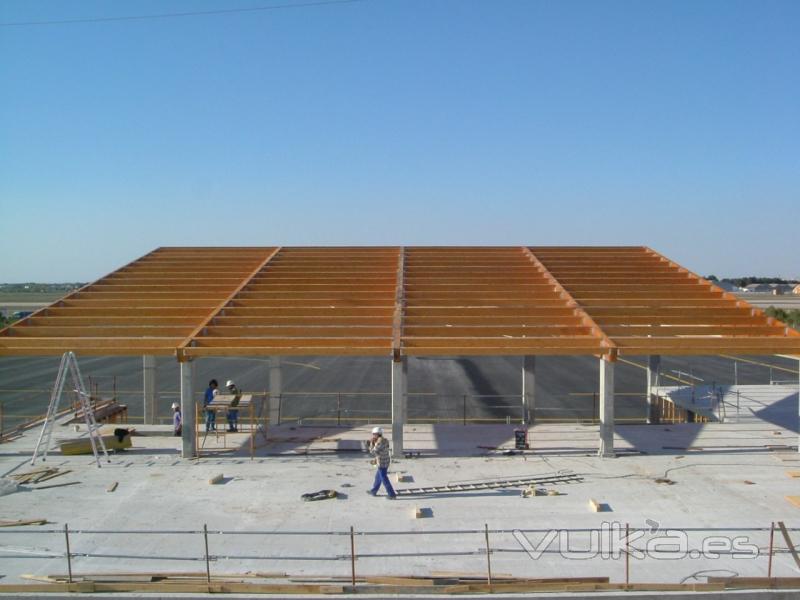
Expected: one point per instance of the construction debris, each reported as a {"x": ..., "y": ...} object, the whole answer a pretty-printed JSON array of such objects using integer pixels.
[
  {"x": 422, "y": 512},
  {"x": 216, "y": 479},
  {"x": 21, "y": 522},
  {"x": 39, "y": 475},
  {"x": 112, "y": 487},
  {"x": 320, "y": 495}
]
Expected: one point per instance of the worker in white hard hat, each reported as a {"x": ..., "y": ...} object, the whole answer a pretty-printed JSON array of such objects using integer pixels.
[
  {"x": 379, "y": 448},
  {"x": 233, "y": 412},
  {"x": 177, "y": 421}
]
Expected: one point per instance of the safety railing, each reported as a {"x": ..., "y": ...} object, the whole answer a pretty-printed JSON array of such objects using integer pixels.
[{"x": 354, "y": 552}]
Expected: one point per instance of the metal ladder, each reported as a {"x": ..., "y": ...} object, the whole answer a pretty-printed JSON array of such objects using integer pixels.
[
  {"x": 555, "y": 478},
  {"x": 69, "y": 365}
]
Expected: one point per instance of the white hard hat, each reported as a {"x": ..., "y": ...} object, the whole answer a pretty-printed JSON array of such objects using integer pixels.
[
  {"x": 175, "y": 405},
  {"x": 230, "y": 383},
  {"x": 378, "y": 430}
]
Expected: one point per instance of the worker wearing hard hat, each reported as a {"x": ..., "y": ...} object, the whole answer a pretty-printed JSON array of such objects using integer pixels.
[
  {"x": 177, "y": 421},
  {"x": 233, "y": 411},
  {"x": 379, "y": 448}
]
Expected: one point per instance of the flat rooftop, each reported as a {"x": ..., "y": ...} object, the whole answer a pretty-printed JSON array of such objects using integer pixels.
[{"x": 727, "y": 480}]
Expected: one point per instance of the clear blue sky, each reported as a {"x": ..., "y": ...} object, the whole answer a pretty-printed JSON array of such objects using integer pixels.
[{"x": 670, "y": 124}]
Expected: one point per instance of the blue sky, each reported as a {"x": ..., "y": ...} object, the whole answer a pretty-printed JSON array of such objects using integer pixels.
[{"x": 669, "y": 124}]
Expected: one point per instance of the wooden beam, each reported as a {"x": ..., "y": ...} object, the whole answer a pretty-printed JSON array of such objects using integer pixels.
[
  {"x": 604, "y": 340},
  {"x": 198, "y": 330}
]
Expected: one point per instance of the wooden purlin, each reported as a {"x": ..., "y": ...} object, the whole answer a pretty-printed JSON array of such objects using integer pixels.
[
  {"x": 42, "y": 312},
  {"x": 585, "y": 318},
  {"x": 180, "y": 350},
  {"x": 755, "y": 311},
  {"x": 399, "y": 301}
]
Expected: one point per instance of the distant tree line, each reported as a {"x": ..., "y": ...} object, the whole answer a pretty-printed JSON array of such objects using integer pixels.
[
  {"x": 745, "y": 281},
  {"x": 791, "y": 316},
  {"x": 39, "y": 287}
]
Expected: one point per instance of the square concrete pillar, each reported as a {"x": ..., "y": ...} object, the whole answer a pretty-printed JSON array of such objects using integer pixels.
[
  {"x": 528, "y": 389},
  {"x": 399, "y": 407},
  {"x": 188, "y": 410},
  {"x": 275, "y": 390},
  {"x": 653, "y": 368},
  {"x": 606, "y": 449},
  {"x": 149, "y": 385}
]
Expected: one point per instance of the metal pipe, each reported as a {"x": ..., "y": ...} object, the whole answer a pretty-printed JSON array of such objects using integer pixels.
[
  {"x": 69, "y": 557},
  {"x": 488, "y": 557},
  {"x": 208, "y": 566},
  {"x": 771, "y": 548},
  {"x": 352, "y": 556},
  {"x": 627, "y": 554}
]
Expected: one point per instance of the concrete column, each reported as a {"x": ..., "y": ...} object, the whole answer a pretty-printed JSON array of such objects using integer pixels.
[
  {"x": 653, "y": 367},
  {"x": 528, "y": 389},
  {"x": 399, "y": 407},
  {"x": 275, "y": 390},
  {"x": 606, "y": 409},
  {"x": 150, "y": 404},
  {"x": 188, "y": 409}
]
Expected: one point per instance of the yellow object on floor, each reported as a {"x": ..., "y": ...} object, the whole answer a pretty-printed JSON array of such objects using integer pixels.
[{"x": 85, "y": 446}]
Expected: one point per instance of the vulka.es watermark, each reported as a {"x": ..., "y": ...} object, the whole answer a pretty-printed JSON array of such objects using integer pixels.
[{"x": 610, "y": 542}]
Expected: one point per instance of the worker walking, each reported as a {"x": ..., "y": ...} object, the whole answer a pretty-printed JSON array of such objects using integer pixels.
[
  {"x": 211, "y": 414},
  {"x": 233, "y": 411},
  {"x": 379, "y": 448}
]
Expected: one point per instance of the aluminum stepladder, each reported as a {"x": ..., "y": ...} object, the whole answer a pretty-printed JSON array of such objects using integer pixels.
[{"x": 69, "y": 366}]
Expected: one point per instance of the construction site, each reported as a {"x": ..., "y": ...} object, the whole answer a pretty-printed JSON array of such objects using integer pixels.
[{"x": 569, "y": 420}]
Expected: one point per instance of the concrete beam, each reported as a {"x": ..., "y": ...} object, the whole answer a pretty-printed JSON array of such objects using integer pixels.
[
  {"x": 528, "y": 389},
  {"x": 149, "y": 385},
  {"x": 188, "y": 410},
  {"x": 653, "y": 368},
  {"x": 275, "y": 390},
  {"x": 399, "y": 403},
  {"x": 606, "y": 449}
]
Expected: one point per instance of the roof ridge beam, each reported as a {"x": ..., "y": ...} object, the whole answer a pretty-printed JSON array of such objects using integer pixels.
[
  {"x": 190, "y": 339},
  {"x": 574, "y": 304},
  {"x": 754, "y": 311},
  {"x": 399, "y": 305}
]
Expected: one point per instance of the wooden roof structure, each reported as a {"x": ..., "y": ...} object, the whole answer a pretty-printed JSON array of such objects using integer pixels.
[{"x": 605, "y": 301}]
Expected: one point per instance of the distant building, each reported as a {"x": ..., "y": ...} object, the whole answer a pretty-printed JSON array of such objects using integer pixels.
[
  {"x": 776, "y": 289},
  {"x": 796, "y": 289}
]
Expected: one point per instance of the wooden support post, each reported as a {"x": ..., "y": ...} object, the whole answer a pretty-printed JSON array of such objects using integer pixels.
[
  {"x": 771, "y": 548},
  {"x": 208, "y": 565},
  {"x": 352, "y": 556},
  {"x": 488, "y": 557},
  {"x": 653, "y": 369},
  {"x": 69, "y": 555}
]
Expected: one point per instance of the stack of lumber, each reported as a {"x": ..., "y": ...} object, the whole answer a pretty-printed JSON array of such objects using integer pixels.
[
  {"x": 39, "y": 475},
  {"x": 436, "y": 583},
  {"x": 104, "y": 411}
]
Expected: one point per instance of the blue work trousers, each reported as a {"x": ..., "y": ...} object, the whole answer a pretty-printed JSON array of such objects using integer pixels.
[
  {"x": 382, "y": 475},
  {"x": 211, "y": 420}
]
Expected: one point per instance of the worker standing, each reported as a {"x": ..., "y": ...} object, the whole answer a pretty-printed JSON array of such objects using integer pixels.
[
  {"x": 233, "y": 411},
  {"x": 379, "y": 448},
  {"x": 211, "y": 414},
  {"x": 177, "y": 421}
]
